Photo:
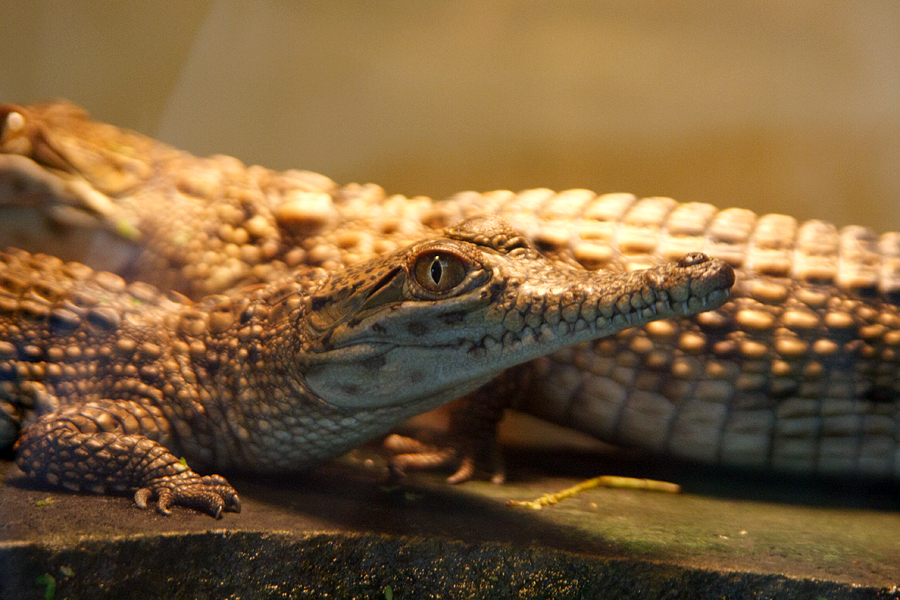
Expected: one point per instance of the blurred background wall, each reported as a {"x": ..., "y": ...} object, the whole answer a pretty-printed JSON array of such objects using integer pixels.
[{"x": 770, "y": 105}]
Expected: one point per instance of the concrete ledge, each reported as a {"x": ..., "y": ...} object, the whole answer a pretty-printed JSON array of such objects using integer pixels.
[
  {"x": 253, "y": 564},
  {"x": 339, "y": 532}
]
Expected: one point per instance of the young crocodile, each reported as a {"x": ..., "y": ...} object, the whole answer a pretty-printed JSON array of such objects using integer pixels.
[
  {"x": 278, "y": 376},
  {"x": 798, "y": 371}
]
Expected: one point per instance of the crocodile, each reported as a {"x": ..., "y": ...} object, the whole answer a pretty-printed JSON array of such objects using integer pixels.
[
  {"x": 796, "y": 372},
  {"x": 109, "y": 381}
]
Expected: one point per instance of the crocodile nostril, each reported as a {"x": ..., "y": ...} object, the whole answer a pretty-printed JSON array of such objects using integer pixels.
[{"x": 692, "y": 258}]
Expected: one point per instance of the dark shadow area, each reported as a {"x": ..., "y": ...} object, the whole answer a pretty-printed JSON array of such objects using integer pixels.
[{"x": 282, "y": 565}]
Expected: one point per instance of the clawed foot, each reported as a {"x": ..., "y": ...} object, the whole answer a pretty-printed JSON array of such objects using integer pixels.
[
  {"x": 471, "y": 437},
  {"x": 211, "y": 494},
  {"x": 409, "y": 454}
]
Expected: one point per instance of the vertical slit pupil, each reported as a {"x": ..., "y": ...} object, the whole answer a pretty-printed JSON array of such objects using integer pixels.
[{"x": 436, "y": 270}]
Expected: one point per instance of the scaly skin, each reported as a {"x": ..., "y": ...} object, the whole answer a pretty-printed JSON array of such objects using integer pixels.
[
  {"x": 111, "y": 382},
  {"x": 798, "y": 371}
]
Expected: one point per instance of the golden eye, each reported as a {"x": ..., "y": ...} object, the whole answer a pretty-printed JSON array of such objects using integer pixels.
[{"x": 439, "y": 272}]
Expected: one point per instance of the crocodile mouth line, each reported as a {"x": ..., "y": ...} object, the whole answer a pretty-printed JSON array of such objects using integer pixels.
[{"x": 712, "y": 300}]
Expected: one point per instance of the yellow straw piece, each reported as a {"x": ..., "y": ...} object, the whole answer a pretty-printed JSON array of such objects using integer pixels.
[{"x": 603, "y": 481}]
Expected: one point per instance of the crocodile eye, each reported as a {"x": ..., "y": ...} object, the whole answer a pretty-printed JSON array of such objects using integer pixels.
[{"x": 439, "y": 272}]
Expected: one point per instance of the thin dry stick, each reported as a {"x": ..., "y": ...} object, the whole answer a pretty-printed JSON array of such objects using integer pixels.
[{"x": 603, "y": 481}]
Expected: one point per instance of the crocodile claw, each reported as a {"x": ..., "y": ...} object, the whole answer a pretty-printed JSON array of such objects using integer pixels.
[
  {"x": 410, "y": 454},
  {"x": 211, "y": 494}
]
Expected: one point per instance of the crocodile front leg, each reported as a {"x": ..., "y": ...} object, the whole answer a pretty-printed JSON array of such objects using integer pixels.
[
  {"x": 108, "y": 447},
  {"x": 82, "y": 358},
  {"x": 470, "y": 443}
]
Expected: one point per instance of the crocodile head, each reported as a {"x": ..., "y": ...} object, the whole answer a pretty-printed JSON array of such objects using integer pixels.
[
  {"x": 442, "y": 316},
  {"x": 61, "y": 138}
]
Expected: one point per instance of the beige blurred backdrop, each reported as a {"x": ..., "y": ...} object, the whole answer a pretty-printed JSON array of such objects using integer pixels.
[{"x": 770, "y": 105}]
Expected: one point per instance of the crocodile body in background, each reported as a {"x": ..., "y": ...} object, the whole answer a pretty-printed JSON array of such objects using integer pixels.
[{"x": 798, "y": 371}]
